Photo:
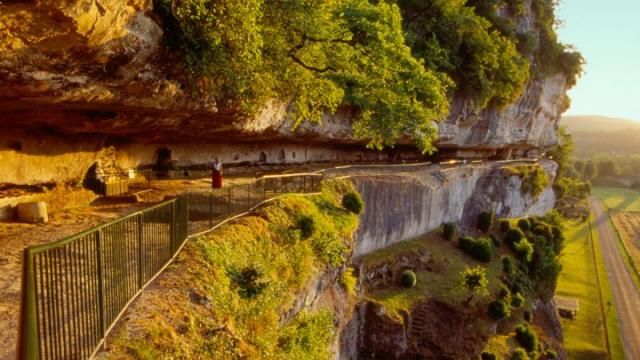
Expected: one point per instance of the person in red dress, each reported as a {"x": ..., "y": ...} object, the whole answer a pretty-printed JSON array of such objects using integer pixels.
[{"x": 216, "y": 174}]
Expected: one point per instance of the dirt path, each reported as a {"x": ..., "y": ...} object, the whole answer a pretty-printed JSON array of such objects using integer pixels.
[{"x": 626, "y": 295}]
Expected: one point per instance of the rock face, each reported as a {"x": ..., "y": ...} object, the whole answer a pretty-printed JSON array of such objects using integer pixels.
[
  {"x": 99, "y": 68},
  {"x": 418, "y": 199}
]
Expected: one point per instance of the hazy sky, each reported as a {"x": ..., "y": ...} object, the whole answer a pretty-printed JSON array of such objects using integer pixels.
[{"x": 608, "y": 35}]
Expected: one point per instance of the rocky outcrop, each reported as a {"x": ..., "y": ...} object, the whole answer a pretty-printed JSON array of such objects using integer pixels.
[
  {"x": 418, "y": 199},
  {"x": 100, "y": 67}
]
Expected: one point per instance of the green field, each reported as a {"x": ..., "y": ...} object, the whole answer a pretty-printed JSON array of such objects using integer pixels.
[
  {"x": 584, "y": 337},
  {"x": 619, "y": 199}
]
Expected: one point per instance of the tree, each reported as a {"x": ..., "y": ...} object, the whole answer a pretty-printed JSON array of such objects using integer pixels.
[
  {"x": 607, "y": 167},
  {"x": 579, "y": 166},
  {"x": 474, "y": 280},
  {"x": 589, "y": 169}
]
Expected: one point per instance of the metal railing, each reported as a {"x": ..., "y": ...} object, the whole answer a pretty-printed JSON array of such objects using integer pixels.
[{"x": 74, "y": 290}]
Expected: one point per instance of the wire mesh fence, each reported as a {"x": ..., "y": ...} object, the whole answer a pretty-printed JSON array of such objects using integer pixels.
[{"x": 74, "y": 290}]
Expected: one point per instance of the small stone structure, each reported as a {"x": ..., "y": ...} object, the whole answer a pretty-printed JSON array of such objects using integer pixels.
[
  {"x": 567, "y": 308},
  {"x": 33, "y": 212}
]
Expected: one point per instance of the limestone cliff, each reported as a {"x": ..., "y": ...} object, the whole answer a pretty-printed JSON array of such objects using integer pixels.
[{"x": 100, "y": 67}]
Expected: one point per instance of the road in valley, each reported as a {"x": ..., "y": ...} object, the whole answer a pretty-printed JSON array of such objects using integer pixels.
[{"x": 625, "y": 293}]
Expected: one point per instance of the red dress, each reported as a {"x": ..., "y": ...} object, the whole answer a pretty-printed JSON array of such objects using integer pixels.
[{"x": 216, "y": 176}]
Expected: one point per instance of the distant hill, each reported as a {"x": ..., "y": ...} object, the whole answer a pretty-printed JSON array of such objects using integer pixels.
[
  {"x": 593, "y": 123},
  {"x": 600, "y": 135}
]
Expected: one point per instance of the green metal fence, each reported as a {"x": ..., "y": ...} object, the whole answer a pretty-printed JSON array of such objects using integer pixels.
[{"x": 74, "y": 290}]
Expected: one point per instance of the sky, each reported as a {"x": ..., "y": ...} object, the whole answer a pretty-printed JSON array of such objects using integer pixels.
[{"x": 607, "y": 33}]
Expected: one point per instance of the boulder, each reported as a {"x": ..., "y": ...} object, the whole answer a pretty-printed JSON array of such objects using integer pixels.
[{"x": 33, "y": 212}]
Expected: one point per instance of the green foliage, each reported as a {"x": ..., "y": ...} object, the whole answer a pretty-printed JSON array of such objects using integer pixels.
[
  {"x": 526, "y": 337},
  {"x": 498, "y": 309},
  {"x": 524, "y": 224},
  {"x": 507, "y": 264},
  {"x": 348, "y": 281},
  {"x": 307, "y": 226},
  {"x": 449, "y": 231},
  {"x": 495, "y": 240},
  {"x": 353, "y": 203},
  {"x": 320, "y": 55},
  {"x": 474, "y": 280},
  {"x": 485, "y": 220},
  {"x": 520, "y": 354},
  {"x": 330, "y": 249},
  {"x": 544, "y": 229},
  {"x": 408, "y": 279},
  {"x": 308, "y": 337},
  {"x": 481, "y": 249},
  {"x": 517, "y": 300},
  {"x": 551, "y": 354},
  {"x": 249, "y": 281},
  {"x": 459, "y": 40},
  {"x": 534, "y": 180},
  {"x": 513, "y": 236},
  {"x": 524, "y": 249},
  {"x": 505, "y": 225},
  {"x": 488, "y": 356}
]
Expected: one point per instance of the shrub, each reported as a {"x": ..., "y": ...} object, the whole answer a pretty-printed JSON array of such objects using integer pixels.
[
  {"x": 551, "y": 354},
  {"x": 558, "y": 239},
  {"x": 505, "y": 225},
  {"x": 499, "y": 309},
  {"x": 488, "y": 356},
  {"x": 507, "y": 264},
  {"x": 408, "y": 279},
  {"x": 513, "y": 236},
  {"x": 307, "y": 226},
  {"x": 524, "y": 249},
  {"x": 504, "y": 293},
  {"x": 519, "y": 354},
  {"x": 545, "y": 230},
  {"x": 248, "y": 281},
  {"x": 528, "y": 317},
  {"x": 517, "y": 301},
  {"x": 524, "y": 224},
  {"x": 485, "y": 221},
  {"x": 348, "y": 281},
  {"x": 474, "y": 280},
  {"x": 496, "y": 240},
  {"x": 353, "y": 202},
  {"x": 481, "y": 249},
  {"x": 526, "y": 337},
  {"x": 449, "y": 231}
]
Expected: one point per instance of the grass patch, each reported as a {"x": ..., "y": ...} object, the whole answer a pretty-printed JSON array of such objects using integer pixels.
[
  {"x": 200, "y": 307},
  {"x": 584, "y": 337},
  {"x": 443, "y": 285},
  {"x": 619, "y": 199}
]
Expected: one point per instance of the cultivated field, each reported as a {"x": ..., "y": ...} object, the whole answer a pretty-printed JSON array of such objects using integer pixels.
[
  {"x": 585, "y": 337},
  {"x": 628, "y": 225},
  {"x": 619, "y": 199}
]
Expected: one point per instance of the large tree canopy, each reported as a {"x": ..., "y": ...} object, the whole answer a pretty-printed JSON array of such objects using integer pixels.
[{"x": 397, "y": 74}]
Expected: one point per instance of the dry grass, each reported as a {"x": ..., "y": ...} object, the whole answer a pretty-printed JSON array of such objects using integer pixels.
[{"x": 628, "y": 224}]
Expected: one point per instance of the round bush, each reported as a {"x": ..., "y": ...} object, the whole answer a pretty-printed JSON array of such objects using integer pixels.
[
  {"x": 408, "y": 279},
  {"x": 488, "y": 356},
  {"x": 307, "y": 226},
  {"x": 524, "y": 224},
  {"x": 507, "y": 264},
  {"x": 481, "y": 249},
  {"x": 505, "y": 226},
  {"x": 504, "y": 292},
  {"x": 449, "y": 231},
  {"x": 524, "y": 249},
  {"x": 526, "y": 337},
  {"x": 544, "y": 230},
  {"x": 499, "y": 309},
  {"x": 519, "y": 354},
  {"x": 485, "y": 221},
  {"x": 353, "y": 203},
  {"x": 552, "y": 354},
  {"x": 513, "y": 236},
  {"x": 517, "y": 301}
]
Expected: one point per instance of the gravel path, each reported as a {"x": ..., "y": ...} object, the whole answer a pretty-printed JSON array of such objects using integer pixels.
[{"x": 626, "y": 295}]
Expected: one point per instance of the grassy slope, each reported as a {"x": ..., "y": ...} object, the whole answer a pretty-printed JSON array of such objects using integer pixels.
[
  {"x": 164, "y": 325},
  {"x": 443, "y": 285},
  {"x": 585, "y": 336}
]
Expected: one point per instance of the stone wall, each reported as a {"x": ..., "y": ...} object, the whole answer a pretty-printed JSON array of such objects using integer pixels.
[{"x": 409, "y": 201}]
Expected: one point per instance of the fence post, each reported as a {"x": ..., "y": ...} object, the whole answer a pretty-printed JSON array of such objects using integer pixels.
[
  {"x": 172, "y": 229},
  {"x": 249, "y": 197},
  {"x": 28, "y": 342},
  {"x": 140, "y": 232},
  {"x": 101, "y": 295},
  {"x": 210, "y": 209},
  {"x": 229, "y": 202}
]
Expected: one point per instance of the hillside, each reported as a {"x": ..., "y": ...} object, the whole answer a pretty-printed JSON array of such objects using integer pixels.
[{"x": 592, "y": 123}]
